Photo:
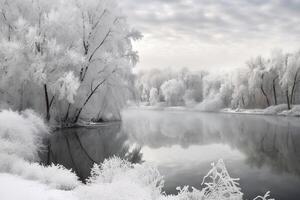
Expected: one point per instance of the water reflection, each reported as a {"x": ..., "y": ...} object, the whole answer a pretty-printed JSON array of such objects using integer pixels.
[
  {"x": 265, "y": 140},
  {"x": 80, "y": 148},
  {"x": 264, "y": 151}
]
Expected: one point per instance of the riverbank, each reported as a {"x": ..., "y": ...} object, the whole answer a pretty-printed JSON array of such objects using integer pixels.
[{"x": 279, "y": 110}]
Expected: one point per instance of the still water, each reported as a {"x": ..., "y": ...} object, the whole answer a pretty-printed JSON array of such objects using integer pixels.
[{"x": 263, "y": 151}]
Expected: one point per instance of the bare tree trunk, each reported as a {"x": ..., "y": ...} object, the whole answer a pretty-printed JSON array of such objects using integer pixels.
[
  {"x": 274, "y": 91},
  {"x": 47, "y": 103},
  {"x": 288, "y": 98},
  {"x": 87, "y": 100},
  {"x": 67, "y": 114},
  {"x": 294, "y": 99},
  {"x": 264, "y": 93},
  {"x": 243, "y": 101},
  {"x": 293, "y": 88}
]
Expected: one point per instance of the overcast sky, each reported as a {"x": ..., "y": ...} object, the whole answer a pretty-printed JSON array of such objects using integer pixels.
[{"x": 211, "y": 34}]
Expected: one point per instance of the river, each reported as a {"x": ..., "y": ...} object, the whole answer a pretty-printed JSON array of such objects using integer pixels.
[{"x": 263, "y": 151}]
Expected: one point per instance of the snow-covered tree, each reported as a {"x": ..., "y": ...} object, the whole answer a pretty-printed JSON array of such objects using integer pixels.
[
  {"x": 241, "y": 94},
  {"x": 71, "y": 60},
  {"x": 154, "y": 98},
  {"x": 173, "y": 91},
  {"x": 259, "y": 79},
  {"x": 290, "y": 76}
]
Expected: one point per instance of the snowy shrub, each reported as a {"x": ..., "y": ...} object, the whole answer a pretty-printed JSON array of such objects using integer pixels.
[
  {"x": 21, "y": 134},
  {"x": 271, "y": 110},
  {"x": 185, "y": 194},
  {"x": 143, "y": 181},
  {"x": 124, "y": 176},
  {"x": 21, "y": 137},
  {"x": 295, "y": 111},
  {"x": 219, "y": 185},
  {"x": 213, "y": 103}
]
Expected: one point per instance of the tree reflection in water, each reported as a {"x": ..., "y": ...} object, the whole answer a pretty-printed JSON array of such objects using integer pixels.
[
  {"x": 264, "y": 140},
  {"x": 79, "y": 148}
]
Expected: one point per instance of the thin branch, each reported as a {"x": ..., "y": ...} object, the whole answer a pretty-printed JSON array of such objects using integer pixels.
[
  {"x": 52, "y": 100},
  {"x": 101, "y": 43},
  {"x": 90, "y": 95}
]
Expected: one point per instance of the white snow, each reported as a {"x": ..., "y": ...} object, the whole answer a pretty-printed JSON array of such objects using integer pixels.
[
  {"x": 280, "y": 109},
  {"x": 16, "y": 188}
]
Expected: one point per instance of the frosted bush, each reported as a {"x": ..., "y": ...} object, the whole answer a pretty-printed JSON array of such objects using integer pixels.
[
  {"x": 117, "y": 171},
  {"x": 219, "y": 185},
  {"x": 21, "y": 137},
  {"x": 271, "y": 110},
  {"x": 213, "y": 103},
  {"x": 109, "y": 170},
  {"x": 21, "y": 134},
  {"x": 295, "y": 111},
  {"x": 118, "y": 179}
]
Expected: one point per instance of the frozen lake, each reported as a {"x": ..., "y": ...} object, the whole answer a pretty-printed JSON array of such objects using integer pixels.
[{"x": 263, "y": 151}]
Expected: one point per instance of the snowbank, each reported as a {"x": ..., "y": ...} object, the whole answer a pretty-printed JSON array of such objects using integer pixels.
[
  {"x": 294, "y": 112},
  {"x": 281, "y": 110},
  {"x": 15, "y": 188},
  {"x": 55, "y": 176},
  {"x": 273, "y": 110}
]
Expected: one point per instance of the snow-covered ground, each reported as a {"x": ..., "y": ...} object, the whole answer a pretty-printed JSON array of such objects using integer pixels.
[
  {"x": 21, "y": 177},
  {"x": 13, "y": 187},
  {"x": 281, "y": 110}
]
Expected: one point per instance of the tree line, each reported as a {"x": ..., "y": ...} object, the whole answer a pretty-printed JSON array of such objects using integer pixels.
[{"x": 260, "y": 83}]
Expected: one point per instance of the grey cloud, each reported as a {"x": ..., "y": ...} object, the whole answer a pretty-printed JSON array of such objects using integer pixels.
[{"x": 233, "y": 19}]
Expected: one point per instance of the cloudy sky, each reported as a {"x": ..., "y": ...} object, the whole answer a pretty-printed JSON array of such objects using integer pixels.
[{"x": 211, "y": 34}]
